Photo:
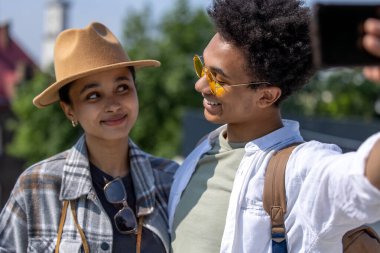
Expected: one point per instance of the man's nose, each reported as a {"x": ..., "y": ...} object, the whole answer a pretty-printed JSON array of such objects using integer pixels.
[{"x": 202, "y": 85}]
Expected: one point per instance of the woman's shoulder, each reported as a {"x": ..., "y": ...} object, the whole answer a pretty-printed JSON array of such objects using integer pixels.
[
  {"x": 158, "y": 164},
  {"x": 39, "y": 186},
  {"x": 46, "y": 173},
  {"x": 163, "y": 164}
]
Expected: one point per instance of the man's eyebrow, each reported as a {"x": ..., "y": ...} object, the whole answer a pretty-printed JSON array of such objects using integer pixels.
[
  {"x": 88, "y": 86},
  {"x": 215, "y": 69},
  {"x": 218, "y": 71}
]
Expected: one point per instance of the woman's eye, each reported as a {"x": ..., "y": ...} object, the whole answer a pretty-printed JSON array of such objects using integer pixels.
[
  {"x": 122, "y": 88},
  {"x": 92, "y": 96}
]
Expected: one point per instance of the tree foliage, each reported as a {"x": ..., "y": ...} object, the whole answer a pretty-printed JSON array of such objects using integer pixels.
[
  {"x": 38, "y": 133},
  {"x": 339, "y": 93}
]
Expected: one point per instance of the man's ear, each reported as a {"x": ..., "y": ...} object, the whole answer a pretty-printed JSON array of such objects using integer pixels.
[
  {"x": 67, "y": 109},
  {"x": 269, "y": 96}
]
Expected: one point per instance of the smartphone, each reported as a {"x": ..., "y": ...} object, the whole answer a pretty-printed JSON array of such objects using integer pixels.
[{"x": 337, "y": 33}]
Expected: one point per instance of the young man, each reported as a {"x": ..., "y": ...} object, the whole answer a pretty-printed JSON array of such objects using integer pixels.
[{"x": 259, "y": 56}]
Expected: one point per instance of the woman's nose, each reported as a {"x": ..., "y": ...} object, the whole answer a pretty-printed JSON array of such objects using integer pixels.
[{"x": 112, "y": 104}]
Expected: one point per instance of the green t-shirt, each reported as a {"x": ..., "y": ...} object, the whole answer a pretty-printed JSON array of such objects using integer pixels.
[{"x": 200, "y": 216}]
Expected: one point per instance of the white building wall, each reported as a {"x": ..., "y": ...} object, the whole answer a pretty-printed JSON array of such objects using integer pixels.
[{"x": 55, "y": 21}]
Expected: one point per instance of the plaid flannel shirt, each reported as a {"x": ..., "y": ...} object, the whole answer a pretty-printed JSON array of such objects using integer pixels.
[{"x": 29, "y": 221}]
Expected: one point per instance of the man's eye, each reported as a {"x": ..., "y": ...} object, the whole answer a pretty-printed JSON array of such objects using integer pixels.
[{"x": 222, "y": 83}]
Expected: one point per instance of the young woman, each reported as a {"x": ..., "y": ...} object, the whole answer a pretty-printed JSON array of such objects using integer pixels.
[{"x": 104, "y": 194}]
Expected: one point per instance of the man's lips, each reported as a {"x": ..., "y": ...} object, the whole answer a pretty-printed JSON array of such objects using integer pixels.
[
  {"x": 211, "y": 102},
  {"x": 211, "y": 106}
]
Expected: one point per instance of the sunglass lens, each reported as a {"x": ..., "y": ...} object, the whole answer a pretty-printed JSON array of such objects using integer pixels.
[
  {"x": 125, "y": 221},
  {"x": 114, "y": 191},
  {"x": 210, "y": 81},
  {"x": 219, "y": 90},
  {"x": 215, "y": 87},
  {"x": 198, "y": 66}
]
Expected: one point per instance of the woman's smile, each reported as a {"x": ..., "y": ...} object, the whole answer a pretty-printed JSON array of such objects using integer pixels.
[{"x": 114, "y": 120}]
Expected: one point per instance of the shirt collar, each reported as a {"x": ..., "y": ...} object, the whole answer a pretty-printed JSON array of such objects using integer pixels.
[
  {"x": 143, "y": 179},
  {"x": 76, "y": 180},
  {"x": 279, "y": 138}
]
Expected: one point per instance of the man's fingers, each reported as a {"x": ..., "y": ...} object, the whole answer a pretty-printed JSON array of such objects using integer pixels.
[
  {"x": 372, "y": 73},
  {"x": 372, "y": 44},
  {"x": 372, "y": 26}
]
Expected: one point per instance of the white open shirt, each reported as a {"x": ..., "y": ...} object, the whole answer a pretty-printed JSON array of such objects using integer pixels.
[{"x": 327, "y": 193}]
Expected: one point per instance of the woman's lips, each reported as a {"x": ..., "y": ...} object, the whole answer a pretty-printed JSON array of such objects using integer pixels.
[{"x": 115, "y": 120}]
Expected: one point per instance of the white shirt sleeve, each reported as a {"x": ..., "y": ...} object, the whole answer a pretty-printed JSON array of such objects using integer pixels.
[{"x": 328, "y": 193}]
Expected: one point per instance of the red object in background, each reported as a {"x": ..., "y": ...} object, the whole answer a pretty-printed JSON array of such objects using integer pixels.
[{"x": 15, "y": 65}]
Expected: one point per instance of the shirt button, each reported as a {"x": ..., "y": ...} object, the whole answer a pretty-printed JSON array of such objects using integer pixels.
[{"x": 104, "y": 246}]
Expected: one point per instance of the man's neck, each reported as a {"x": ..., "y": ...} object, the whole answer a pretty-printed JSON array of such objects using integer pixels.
[{"x": 257, "y": 128}]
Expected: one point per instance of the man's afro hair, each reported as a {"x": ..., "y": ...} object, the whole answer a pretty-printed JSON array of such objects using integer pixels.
[{"x": 274, "y": 35}]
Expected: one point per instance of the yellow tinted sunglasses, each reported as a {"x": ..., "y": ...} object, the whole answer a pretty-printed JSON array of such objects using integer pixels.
[{"x": 215, "y": 87}]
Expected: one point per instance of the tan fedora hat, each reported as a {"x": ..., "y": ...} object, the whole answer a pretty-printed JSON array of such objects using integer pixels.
[{"x": 81, "y": 52}]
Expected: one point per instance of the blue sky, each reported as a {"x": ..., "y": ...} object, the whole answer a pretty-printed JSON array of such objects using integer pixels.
[{"x": 26, "y": 16}]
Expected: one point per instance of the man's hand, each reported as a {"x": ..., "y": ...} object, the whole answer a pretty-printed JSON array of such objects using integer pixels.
[{"x": 371, "y": 43}]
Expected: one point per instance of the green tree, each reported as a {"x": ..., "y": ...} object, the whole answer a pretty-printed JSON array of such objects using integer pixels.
[
  {"x": 339, "y": 93},
  {"x": 38, "y": 133}
]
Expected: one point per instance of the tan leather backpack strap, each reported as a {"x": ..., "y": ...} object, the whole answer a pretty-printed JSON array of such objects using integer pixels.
[
  {"x": 274, "y": 196},
  {"x": 139, "y": 234},
  {"x": 61, "y": 224},
  {"x": 80, "y": 230},
  {"x": 361, "y": 239}
]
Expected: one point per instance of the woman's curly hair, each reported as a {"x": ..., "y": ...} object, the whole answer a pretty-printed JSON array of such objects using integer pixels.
[{"x": 275, "y": 36}]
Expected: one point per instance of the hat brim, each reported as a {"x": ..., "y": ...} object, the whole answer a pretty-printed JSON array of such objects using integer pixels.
[{"x": 50, "y": 94}]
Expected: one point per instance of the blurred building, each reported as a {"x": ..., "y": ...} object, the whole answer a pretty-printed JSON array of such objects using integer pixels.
[
  {"x": 56, "y": 20},
  {"x": 15, "y": 67}
]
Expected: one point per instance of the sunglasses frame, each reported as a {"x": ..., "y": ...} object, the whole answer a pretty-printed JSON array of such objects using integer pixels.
[
  {"x": 125, "y": 207},
  {"x": 215, "y": 87}
]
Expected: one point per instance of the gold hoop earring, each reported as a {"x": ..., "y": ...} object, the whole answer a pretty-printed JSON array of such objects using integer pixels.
[{"x": 74, "y": 123}]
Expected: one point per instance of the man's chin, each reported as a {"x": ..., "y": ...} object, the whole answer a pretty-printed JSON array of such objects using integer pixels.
[{"x": 213, "y": 119}]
